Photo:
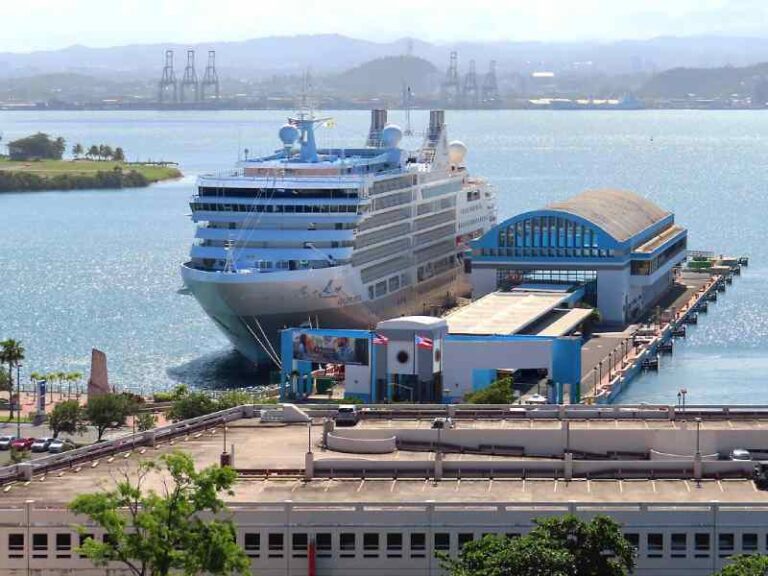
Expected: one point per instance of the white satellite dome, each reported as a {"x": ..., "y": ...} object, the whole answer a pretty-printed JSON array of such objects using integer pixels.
[
  {"x": 457, "y": 150},
  {"x": 288, "y": 134},
  {"x": 391, "y": 136}
]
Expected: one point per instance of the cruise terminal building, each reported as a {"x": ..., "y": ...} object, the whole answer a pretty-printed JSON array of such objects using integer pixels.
[{"x": 620, "y": 246}]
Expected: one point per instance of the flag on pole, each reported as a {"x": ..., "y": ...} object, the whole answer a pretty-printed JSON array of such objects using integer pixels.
[
  {"x": 424, "y": 343},
  {"x": 379, "y": 339}
]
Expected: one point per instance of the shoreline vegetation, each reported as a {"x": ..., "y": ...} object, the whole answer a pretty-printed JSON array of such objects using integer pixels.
[
  {"x": 35, "y": 163},
  {"x": 78, "y": 174}
]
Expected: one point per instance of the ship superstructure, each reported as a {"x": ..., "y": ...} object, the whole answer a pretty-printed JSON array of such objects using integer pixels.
[{"x": 334, "y": 237}]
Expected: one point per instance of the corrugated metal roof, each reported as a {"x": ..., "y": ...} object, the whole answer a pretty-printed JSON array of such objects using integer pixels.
[{"x": 620, "y": 213}]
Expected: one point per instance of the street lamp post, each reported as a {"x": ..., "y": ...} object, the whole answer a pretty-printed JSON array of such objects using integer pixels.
[
  {"x": 682, "y": 394},
  {"x": 600, "y": 370},
  {"x": 594, "y": 372},
  {"x": 610, "y": 364},
  {"x": 698, "y": 435},
  {"x": 18, "y": 402}
]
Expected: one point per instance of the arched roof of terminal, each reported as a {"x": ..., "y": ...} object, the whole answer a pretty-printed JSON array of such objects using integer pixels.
[{"x": 620, "y": 213}]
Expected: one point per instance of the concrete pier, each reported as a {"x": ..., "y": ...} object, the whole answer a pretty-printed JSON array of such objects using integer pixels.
[{"x": 611, "y": 361}]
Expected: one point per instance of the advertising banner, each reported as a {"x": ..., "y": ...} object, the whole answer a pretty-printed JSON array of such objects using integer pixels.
[{"x": 330, "y": 349}]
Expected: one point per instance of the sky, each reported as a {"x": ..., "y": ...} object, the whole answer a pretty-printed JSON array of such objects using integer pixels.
[{"x": 31, "y": 25}]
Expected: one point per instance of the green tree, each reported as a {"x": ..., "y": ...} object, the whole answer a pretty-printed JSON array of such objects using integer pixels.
[
  {"x": 232, "y": 398},
  {"x": 77, "y": 150},
  {"x": 37, "y": 146},
  {"x": 119, "y": 155},
  {"x": 746, "y": 565},
  {"x": 107, "y": 411},
  {"x": 192, "y": 405},
  {"x": 501, "y": 556},
  {"x": 564, "y": 546},
  {"x": 598, "y": 546},
  {"x": 66, "y": 417},
  {"x": 179, "y": 530},
  {"x": 11, "y": 353},
  {"x": 5, "y": 383},
  {"x": 145, "y": 421},
  {"x": 498, "y": 392},
  {"x": 93, "y": 151}
]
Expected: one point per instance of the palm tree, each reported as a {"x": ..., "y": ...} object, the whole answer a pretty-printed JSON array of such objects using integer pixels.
[
  {"x": 93, "y": 151},
  {"x": 60, "y": 378},
  {"x": 72, "y": 377},
  {"x": 11, "y": 353},
  {"x": 50, "y": 378},
  {"x": 77, "y": 150}
]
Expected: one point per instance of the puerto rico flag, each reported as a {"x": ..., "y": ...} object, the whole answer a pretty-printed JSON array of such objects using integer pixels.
[
  {"x": 379, "y": 339},
  {"x": 424, "y": 343}
]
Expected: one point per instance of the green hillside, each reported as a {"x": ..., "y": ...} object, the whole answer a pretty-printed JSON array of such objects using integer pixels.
[{"x": 388, "y": 75}]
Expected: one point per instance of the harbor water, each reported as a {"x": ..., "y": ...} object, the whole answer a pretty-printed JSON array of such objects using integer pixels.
[{"x": 100, "y": 268}]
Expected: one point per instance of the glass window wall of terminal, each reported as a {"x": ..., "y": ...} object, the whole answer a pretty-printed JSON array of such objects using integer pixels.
[{"x": 548, "y": 237}]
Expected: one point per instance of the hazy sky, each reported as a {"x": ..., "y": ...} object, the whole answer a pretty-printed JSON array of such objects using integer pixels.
[{"x": 43, "y": 24}]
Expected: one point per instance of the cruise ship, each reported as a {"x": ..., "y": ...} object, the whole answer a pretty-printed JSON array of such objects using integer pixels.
[{"x": 334, "y": 237}]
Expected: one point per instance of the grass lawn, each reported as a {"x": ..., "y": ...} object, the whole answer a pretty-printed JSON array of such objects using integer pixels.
[{"x": 50, "y": 168}]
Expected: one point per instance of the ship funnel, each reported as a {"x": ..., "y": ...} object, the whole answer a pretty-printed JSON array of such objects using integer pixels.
[
  {"x": 436, "y": 123},
  {"x": 378, "y": 121}
]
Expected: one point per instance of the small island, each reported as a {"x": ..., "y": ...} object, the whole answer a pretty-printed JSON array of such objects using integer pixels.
[{"x": 36, "y": 163}]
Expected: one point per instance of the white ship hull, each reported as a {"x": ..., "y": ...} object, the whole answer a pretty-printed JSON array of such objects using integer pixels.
[
  {"x": 250, "y": 311},
  {"x": 334, "y": 238}
]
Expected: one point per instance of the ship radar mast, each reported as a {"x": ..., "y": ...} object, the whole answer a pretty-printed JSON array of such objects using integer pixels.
[{"x": 305, "y": 122}]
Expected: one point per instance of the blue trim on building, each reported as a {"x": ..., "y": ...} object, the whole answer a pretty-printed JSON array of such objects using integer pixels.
[{"x": 490, "y": 240}]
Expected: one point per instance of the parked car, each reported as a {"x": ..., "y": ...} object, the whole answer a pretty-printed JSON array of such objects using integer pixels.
[
  {"x": 740, "y": 454},
  {"x": 347, "y": 415},
  {"x": 58, "y": 445},
  {"x": 22, "y": 443},
  {"x": 41, "y": 444},
  {"x": 442, "y": 424},
  {"x": 5, "y": 442},
  {"x": 537, "y": 399}
]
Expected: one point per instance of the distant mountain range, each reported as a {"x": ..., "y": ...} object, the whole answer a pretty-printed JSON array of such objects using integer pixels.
[{"x": 331, "y": 54}]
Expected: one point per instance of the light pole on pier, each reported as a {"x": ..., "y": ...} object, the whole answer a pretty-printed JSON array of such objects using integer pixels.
[
  {"x": 610, "y": 365},
  {"x": 594, "y": 372}
]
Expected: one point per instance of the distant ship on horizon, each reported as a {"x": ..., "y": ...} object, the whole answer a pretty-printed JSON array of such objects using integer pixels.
[{"x": 334, "y": 237}]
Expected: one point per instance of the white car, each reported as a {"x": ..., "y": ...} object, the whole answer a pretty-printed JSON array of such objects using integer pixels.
[
  {"x": 5, "y": 442},
  {"x": 58, "y": 445},
  {"x": 442, "y": 424},
  {"x": 536, "y": 399},
  {"x": 41, "y": 444},
  {"x": 740, "y": 454},
  {"x": 347, "y": 415}
]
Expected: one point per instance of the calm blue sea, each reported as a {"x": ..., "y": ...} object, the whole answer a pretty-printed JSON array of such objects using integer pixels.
[{"x": 100, "y": 268}]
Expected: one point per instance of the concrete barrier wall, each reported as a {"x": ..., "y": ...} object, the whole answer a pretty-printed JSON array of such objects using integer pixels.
[
  {"x": 362, "y": 445},
  {"x": 551, "y": 442},
  {"x": 530, "y": 468}
]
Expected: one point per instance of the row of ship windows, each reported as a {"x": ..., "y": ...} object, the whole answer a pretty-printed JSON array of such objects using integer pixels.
[
  {"x": 652, "y": 545},
  {"x": 273, "y": 244},
  {"x": 277, "y": 192},
  {"x": 388, "y": 286},
  {"x": 423, "y": 273},
  {"x": 471, "y": 208},
  {"x": 280, "y": 208},
  {"x": 269, "y": 265}
]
